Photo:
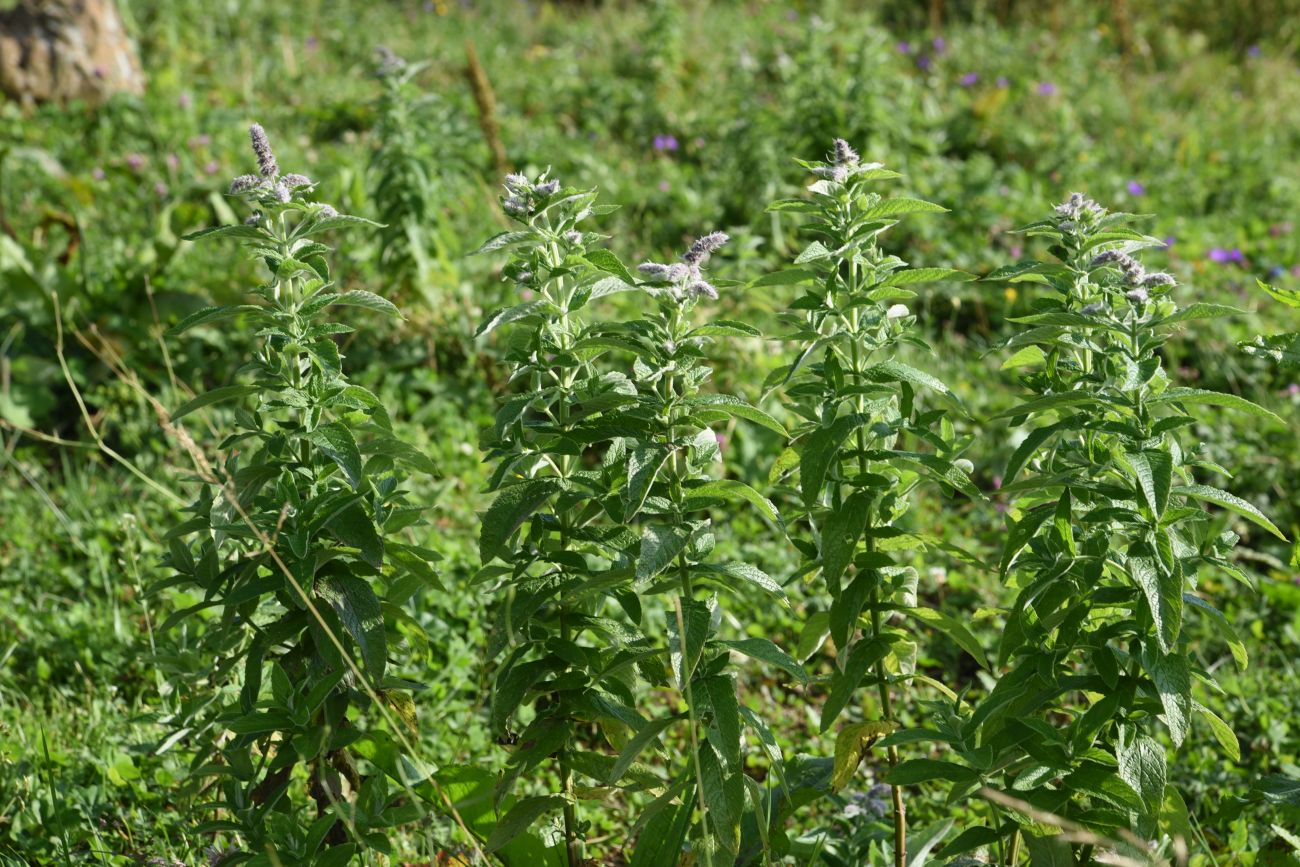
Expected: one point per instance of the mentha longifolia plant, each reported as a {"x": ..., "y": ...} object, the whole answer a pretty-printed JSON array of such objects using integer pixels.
[
  {"x": 1107, "y": 547},
  {"x": 293, "y": 545},
  {"x": 605, "y": 483},
  {"x": 863, "y": 443}
]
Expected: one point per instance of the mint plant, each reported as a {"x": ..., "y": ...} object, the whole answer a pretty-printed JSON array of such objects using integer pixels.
[
  {"x": 864, "y": 442},
  {"x": 293, "y": 546},
  {"x": 567, "y": 616},
  {"x": 1107, "y": 542}
]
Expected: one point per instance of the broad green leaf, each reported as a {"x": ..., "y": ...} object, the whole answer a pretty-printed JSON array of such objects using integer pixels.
[
  {"x": 1142, "y": 766},
  {"x": 368, "y": 300},
  {"x": 898, "y": 207},
  {"x": 1049, "y": 402},
  {"x": 1223, "y": 732},
  {"x": 920, "y": 843},
  {"x": 353, "y": 527},
  {"x": 1050, "y": 850},
  {"x": 765, "y": 651},
  {"x": 211, "y": 314},
  {"x": 1154, "y": 471},
  {"x": 840, "y": 536},
  {"x": 1163, "y": 591},
  {"x": 910, "y": 276},
  {"x": 730, "y": 405},
  {"x": 357, "y": 606},
  {"x": 1172, "y": 677},
  {"x": 914, "y": 771},
  {"x": 1215, "y": 398},
  {"x": 509, "y": 510},
  {"x": 660, "y": 545},
  {"x": 1231, "y": 503},
  {"x": 647, "y": 734},
  {"x": 239, "y": 230},
  {"x": 685, "y": 654},
  {"x": 643, "y": 466},
  {"x": 520, "y": 817},
  {"x": 819, "y": 452},
  {"x": 216, "y": 395},
  {"x": 1029, "y": 356},
  {"x": 896, "y": 371},
  {"x": 501, "y": 240},
  {"x": 721, "y": 692},
  {"x": 731, "y": 489},
  {"x": 604, "y": 260},
  {"x": 1289, "y": 297},
  {"x": 336, "y": 442},
  {"x": 745, "y": 572},
  {"x": 861, "y": 656},
  {"x": 724, "y": 799},
  {"x": 954, "y": 629},
  {"x": 1199, "y": 310}
]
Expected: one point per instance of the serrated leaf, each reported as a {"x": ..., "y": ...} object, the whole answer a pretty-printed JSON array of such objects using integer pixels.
[
  {"x": 216, "y": 395},
  {"x": 914, "y": 771},
  {"x": 900, "y": 206},
  {"x": 211, "y": 314},
  {"x": 1172, "y": 677},
  {"x": 660, "y": 545},
  {"x": 502, "y": 240},
  {"x": 1223, "y": 732},
  {"x": 912, "y": 276},
  {"x": 896, "y": 371},
  {"x": 604, "y": 260},
  {"x": 368, "y": 300},
  {"x": 336, "y": 442},
  {"x": 509, "y": 510},
  {"x": 1163, "y": 592},
  {"x": 765, "y": 651},
  {"x": 733, "y": 489},
  {"x": 357, "y": 606},
  {"x": 520, "y": 818},
  {"x": 840, "y": 536},
  {"x": 1215, "y": 398},
  {"x": 1142, "y": 766},
  {"x": 1231, "y": 503},
  {"x": 1154, "y": 471}
]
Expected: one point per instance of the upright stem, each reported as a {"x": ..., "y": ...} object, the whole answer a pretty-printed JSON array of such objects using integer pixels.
[{"x": 882, "y": 681}]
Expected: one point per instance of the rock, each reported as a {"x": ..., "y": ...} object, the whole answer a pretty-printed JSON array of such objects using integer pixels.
[{"x": 62, "y": 50}]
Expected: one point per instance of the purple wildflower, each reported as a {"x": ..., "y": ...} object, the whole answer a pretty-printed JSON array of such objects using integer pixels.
[
  {"x": 200, "y": 141},
  {"x": 135, "y": 161},
  {"x": 295, "y": 180},
  {"x": 970, "y": 79},
  {"x": 185, "y": 101},
  {"x": 664, "y": 186},
  {"x": 1293, "y": 390},
  {"x": 1170, "y": 240},
  {"x": 1254, "y": 51},
  {"x": 904, "y": 47},
  {"x": 1003, "y": 82},
  {"x": 1135, "y": 188},
  {"x": 245, "y": 184},
  {"x": 160, "y": 188},
  {"x": 262, "y": 149},
  {"x": 666, "y": 143},
  {"x": 98, "y": 173},
  {"x": 1046, "y": 88},
  {"x": 940, "y": 44},
  {"x": 924, "y": 63},
  {"x": 212, "y": 167},
  {"x": 173, "y": 162},
  {"x": 1223, "y": 255}
]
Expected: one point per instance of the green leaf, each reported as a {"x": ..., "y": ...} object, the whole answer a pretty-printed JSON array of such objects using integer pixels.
[
  {"x": 1279, "y": 789},
  {"x": 506, "y": 315},
  {"x": 368, "y": 300},
  {"x": 1164, "y": 595},
  {"x": 1231, "y": 503},
  {"x": 900, "y": 206},
  {"x": 604, "y": 260},
  {"x": 239, "y": 230},
  {"x": 1142, "y": 766},
  {"x": 636, "y": 745},
  {"x": 1049, "y": 402},
  {"x": 1289, "y": 297},
  {"x": 911, "y": 276},
  {"x": 724, "y": 798},
  {"x": 502, "y": 240},
  {"x": 509, "y": 510},
  {"x": 357, "y": 606},
  {"x": 1223, "y": 732},
  {"x": 660, "y": 545},
  {"x": 954, "y": 629},
  {"x": 212, "y": 314},
  {"x": 731, "y": 489},
  {"x": 765, "y": 651},
  {"x": 1154, "y": 471},
  {"x": 1172, "y": 677},
  {"x": 730, "y": 405},
  {"x": 851, "y": 746},
  {"x": 338, "y": 444},
  {"x": 840, "y": 536},
  {"x": 520, "y": 817},
  {"x": 861, "y": 656},
  {"x": 353, "y": 527},
  {"x": 896, "y": 371},
  {"x": 643, "y": 465},
  {"x": 721, "y": 692},
  {"x": 788, "y": 277},
  {"x": 1029, "y": 356},
  {"x": 921, "y": 842},
  {"x": 1215, "y": 398},
  {"x": 1048, "y": 851},
  {"x": 216, "y": 395},
  {"x": 686, "y": 650},
  {"x": 1199, "y": 310},
  {"x": 819, "y": 451},
  {"x": 745, "y": 572},
  {"x": 914, "y": 771}
]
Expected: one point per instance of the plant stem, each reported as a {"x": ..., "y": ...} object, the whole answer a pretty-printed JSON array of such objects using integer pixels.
[{"x": 1013, "y": 853}]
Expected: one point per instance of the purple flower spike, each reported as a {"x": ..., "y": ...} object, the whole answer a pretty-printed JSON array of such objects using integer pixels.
[
  {"x": 904, "y": 47},
  {"x": 1135, "y": 188},
  {"x": 1223, "y": 255},
  {"x": 970, "y": 79}
]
